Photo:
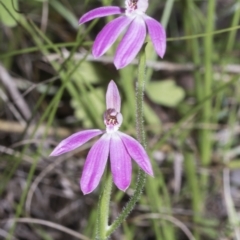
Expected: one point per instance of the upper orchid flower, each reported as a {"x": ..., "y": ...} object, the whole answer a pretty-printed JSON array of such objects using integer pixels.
[
  {"x": 137, "y": 24},
  {"x": 120, "y": 146}
]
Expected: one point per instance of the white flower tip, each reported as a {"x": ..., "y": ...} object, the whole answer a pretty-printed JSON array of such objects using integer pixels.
[
  {"x": 94, "y": 53},
  {"x": 118, "y": 64},
  {"x": 85, "y": 190},
  {"x": 112, "y": 83},
  {"x": 163, "y": 52},
  {"x": 59, "y": 149},
  {"x": 51, "y": 155},
  {"x": 55, "y": 153},
  {"x": 124, "y": 189},
  {"x": 85, "y": 193},
  {"x": 112, "y": 88},
  {"x": 150, "y": 173},
  {"x": 80, "y": 21}
]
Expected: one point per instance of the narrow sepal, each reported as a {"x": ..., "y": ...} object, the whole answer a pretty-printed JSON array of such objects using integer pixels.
[
  {"x": 121, "y": 165},
  {"x": 109, "y": 34},
  {"x": 131, "y": 43},
  {"x": 74, "y": 141},
  {"x": 137, "y": 153},
  {"x": 157, "y": 34},
  {"x": 95, "y": 164},
  {"x": 100, "y": 12}
]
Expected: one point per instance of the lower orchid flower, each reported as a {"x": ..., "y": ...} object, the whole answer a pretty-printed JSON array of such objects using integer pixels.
[
  {"x": 118, "y": 146},
  {"x": 137, "y": 24}
]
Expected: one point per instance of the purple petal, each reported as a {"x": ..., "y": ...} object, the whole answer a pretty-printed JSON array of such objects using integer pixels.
[
  {"x": 100, "y": 12},
  {"x": 109, "y": 34},
  {"x": 113, "y": 99},
  {"x": 95, "y": 164},
  {"x": 131, "y": 43},
  {"x": 137, "y": 152},
  {"x": 121, "y": 166},
  {"x": 157, "y": 34},
  {"x": 74, "y": 141}
]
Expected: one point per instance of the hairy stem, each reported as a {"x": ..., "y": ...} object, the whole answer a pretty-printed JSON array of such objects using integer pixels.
[
  {"x": 141, "y": 138},
  {"x": 103, "y": 207}
]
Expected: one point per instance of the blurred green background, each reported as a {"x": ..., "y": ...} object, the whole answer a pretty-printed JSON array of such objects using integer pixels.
[{"x": 51, "y": 86}]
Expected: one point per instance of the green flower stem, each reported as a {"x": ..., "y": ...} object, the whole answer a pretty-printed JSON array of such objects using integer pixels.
[
  {"x": 194, "y": 188},
  {"x": 139, "y": 98},
  {"x": 205, "y": 135},
  {"x": 167, "y": 12},
  {"x": 130, "y": 205},
  {"x": 103, "y": 207},
  {"x": 141, "y": 179}
]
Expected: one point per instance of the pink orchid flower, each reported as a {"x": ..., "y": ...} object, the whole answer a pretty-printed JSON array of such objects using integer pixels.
[
  {"x": 137, "y": 24},
  {"x": 117, "y": 145}
]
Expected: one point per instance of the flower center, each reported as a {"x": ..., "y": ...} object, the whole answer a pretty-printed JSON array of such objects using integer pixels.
[
  {"x": 112, "y": 120},
  {"x": 133, "y": 4},
  {"x": 136, "y": 7}
]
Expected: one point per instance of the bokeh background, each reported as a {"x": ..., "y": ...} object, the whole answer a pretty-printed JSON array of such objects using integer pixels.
[{"x": 51, "y": 86}]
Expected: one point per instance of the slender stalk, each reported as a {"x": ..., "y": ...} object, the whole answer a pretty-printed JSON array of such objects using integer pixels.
[
  {"x": 193, "y": 185},
  {"x": 141, "y": 179},
  {"x": 167, "y": 12},
  {"x": 103, "y": 207},
  {"x": 232, "y": 34},
  {"x": 193, "y": 27},
  {"x": 130, "y": 205},
  {"x": 205, "y": 134},
  {"x": 139, "y": 98}
]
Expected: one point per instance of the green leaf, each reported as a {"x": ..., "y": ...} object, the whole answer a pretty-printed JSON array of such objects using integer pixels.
[
  {"x": 166, "y": 93},
  {"x": 93, "y": 72},
  {"x": 8, "y": 12},
  {"x": 151, "y": 117},
  {"x": 67, "y": 14},
  {"x": 81, "y": 113}
]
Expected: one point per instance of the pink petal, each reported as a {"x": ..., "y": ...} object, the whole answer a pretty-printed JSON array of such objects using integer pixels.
[
  {"x": 113, "y": 99},
  {"x": 100, "y": 12},
  {"x": 95, "y": 164},
  {"x": 109, "y": 34},
  {"x": 74, "y": 141},
  {"x": 131, "y": 43},
  {"x": 121, "y": 166},
  {"x": 157, "y": 34},
  {"x": 137, "y": 152}
]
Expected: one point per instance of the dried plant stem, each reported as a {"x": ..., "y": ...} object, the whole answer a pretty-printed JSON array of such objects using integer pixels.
[
  {"x": 141, "y": 138},
  {"x": 46, "y": 223}
]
